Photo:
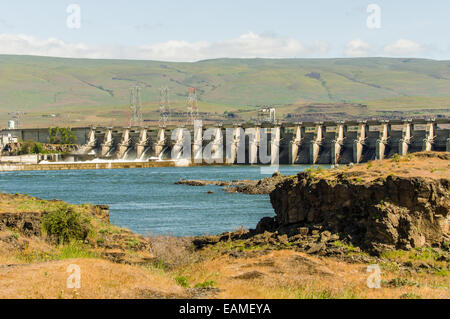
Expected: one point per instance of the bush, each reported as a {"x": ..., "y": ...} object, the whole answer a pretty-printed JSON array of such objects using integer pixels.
[
  {"x": 61, "y": 135},
  {"x": 31, "y": 147},
  {"x": 315, "y": 170},
  {"x": 65, "y": 224},
  {"x": 182, "y": 281},
  {"x": 173, "y": 252},
  {"x": 396, "y": 158}
]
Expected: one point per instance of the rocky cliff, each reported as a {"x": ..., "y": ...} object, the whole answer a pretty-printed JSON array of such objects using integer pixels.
[
  {"x": 252, "y": 187},
  {"x": 372, "y": 210},
  {"x": 25, "y": 215}
]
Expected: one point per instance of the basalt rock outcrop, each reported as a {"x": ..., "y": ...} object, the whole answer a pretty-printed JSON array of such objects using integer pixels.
[
  {"x": 202, "y": 183},
  {"x": 253, "y": 187},
  {"x": 29, "y": 223},
  {"x": 388, "y": 212},
  {"x": 263, "y": 186},
  {"x": 22, "y": 218}
]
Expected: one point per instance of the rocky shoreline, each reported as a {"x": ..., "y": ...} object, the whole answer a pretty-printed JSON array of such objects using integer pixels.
[
  {"x": 369, "y": 211},
  {"x": 259, "y": 187},
  {"x": 329, "y": 225}
]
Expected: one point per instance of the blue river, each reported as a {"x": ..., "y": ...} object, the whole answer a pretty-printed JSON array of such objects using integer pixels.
[{"x": 148, "y": 202}]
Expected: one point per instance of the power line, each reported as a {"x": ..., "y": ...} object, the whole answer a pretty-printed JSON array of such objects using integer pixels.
[
  {"x": 135, "y": 106},
  {"x": 192, "y": 105},
  {"x": 164, "y": 106}
]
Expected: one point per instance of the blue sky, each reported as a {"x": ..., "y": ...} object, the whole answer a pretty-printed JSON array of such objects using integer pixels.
[{"x": 198, "y": 29}]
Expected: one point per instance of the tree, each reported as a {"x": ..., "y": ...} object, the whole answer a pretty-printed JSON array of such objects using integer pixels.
[{"x": 61, "y": 135}]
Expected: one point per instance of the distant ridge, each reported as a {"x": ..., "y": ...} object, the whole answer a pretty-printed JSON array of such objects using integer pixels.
[{"x": 44, "y": 84}]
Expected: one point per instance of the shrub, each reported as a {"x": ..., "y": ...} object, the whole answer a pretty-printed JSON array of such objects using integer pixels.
[
  {"x": 61, "y": 135},
  {"x": 65, "y": 224},
  {"x": 31, "y": 147},
  {"x": 132, "y": 243},
  {"x": 173, "y": 252},
  {"x": 315, "y": 169},
  {"x": 206, "y": 284},
  {"x": 400, "y": 282},
  {"x": 182, "y": 281},
  {"x": 396, "y": 158}
]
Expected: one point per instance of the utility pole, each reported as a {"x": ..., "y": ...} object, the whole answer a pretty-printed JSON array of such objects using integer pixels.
[
  {"x": 164, "y": 106},
  {"x": 135, "y": 106}
]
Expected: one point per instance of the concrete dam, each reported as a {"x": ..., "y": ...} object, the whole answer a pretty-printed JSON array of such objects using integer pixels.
[{"x": 267, "y": 143}]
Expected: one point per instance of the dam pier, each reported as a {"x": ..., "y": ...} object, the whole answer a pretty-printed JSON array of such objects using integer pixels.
[{"x": 340, "y": 142}]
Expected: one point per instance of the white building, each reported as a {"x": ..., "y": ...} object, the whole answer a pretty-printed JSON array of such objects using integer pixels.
[
  {"x": 6, "y": 139},
  {"x": 267, "y": 115}
]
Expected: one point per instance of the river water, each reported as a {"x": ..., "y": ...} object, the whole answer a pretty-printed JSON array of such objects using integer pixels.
[{"x": 146, "y": 200}]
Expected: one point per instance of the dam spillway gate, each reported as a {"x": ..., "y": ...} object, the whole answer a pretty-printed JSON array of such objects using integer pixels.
[{"x": 288, "y": 143}]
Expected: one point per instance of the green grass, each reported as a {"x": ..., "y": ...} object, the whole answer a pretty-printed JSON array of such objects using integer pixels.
[
  {"x": 182, "y": 281},
  {"x": 417, "y": 256},
  {"x": 308, "y": 293},
  {"x": 348, "y": 246},
  {"x": 74, "y": 249},
  {"x": 422, "y": 254},
  {"x": 206, "y": 284},
  {"x": 240, "y": 245},
  {"x": 443, "y": 272},
  {"x": 82, "y": 91},
  {"x": 410, "y": 295},
  {"x": 132, "y": 243}
]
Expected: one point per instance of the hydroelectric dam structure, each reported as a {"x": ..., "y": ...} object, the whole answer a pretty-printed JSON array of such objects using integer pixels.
[{"x": 286, "y": 143}]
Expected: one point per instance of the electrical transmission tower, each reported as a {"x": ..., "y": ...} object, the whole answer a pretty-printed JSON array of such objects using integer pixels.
[
  {"x": 191, "y": 104},
  {"x": 164, "y": 107},
  {"x": 135, "y": 106},
  {"x": 17, "y": 117}
]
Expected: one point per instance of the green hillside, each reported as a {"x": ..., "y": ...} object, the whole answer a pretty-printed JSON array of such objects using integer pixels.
[{"x": 97, "y": 91}]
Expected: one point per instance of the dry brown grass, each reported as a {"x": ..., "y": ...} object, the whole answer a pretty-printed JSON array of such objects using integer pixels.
[
  {"x": 260, "y": 274},
  {"x": 23, "y": 203},
  {"x": 173, "y": 252},
  {"x": 99, "y": 279},
  {"x": 31, "y": 267},
  {"x": 435, "y": 165},
  {"x": 290, "y": 274},
  {"x": 28, "y": 269}
]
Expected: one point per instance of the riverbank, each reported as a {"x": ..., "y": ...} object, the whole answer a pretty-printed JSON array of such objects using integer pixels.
[
  {"x": 306, "y": 260},
  {"x": 251, "y": 187},
  {"x": 84, "y": 165},
  {"x": 100, "y": 164},
  {"x": 115, "y": 263}
]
